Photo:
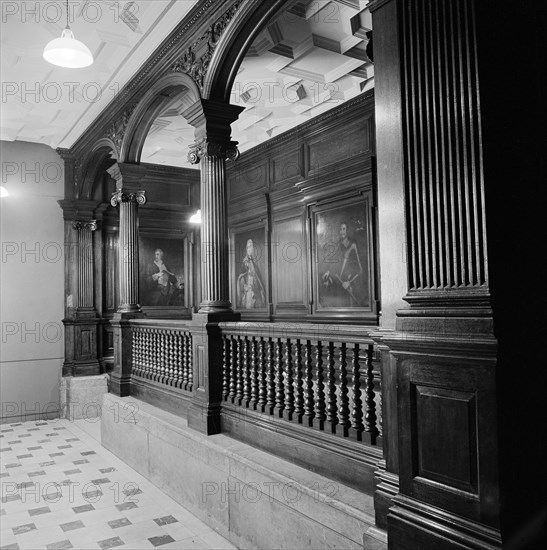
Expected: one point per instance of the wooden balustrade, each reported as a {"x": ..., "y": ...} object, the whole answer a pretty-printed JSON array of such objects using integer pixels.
[
  {"x": 314, "y": 375},
  {"x": 162, "y": 353}
]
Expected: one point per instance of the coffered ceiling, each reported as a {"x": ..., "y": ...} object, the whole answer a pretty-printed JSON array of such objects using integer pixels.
[
  {"x": 311, "y": 59},
  {"x": 52, "y": 105}
]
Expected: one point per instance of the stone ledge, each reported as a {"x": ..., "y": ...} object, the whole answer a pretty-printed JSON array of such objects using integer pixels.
[{"x": 253, "y": 498}]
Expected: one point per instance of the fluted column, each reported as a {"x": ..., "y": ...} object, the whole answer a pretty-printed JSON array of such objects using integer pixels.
[
  {"x": 215, "y": 287},
  {"x": 128, "y": 257},
  {"x": 85, "y": 262}
]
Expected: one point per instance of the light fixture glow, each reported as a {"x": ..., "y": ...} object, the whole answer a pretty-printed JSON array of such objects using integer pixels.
[
  {"x": 196, "y": 218},
  {"x": 67, "y": 51},
  {"x": 3, "y": 192}
]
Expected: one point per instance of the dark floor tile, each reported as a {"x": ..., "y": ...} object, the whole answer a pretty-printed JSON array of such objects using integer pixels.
[
  {"x": 35, "y": 448},
  {"x": 6, "y": 430},
  {"x": 72, "y": 439},
  {"x": 38, "y": 473},
  {"x": 24, "y": 435},
  {"x": 13, "y": 546},
  {"x": 28, "y": 455},
  {"x": 107, "y": 470},
  {"x": 5, "y": 474},
  {"x": 44, "y": 441},
  {"x": 41, "y": 424},
  {"x": 61, "y": 545},
  {"x": 25, "y": 484},
  {"x": 72, "y": 525},
  {"x": 111, "y": 543},
  {"x": 166, "y": 520},
  {"x": 132, "y": 491},
  {"x": 39, "y": 511},
  {"x": 71, "y": 472},
  {"x": 160, "y": 541},
  {"x": 14, "y": 442},
  {"x": 122, "y": 522},
  {"x": 33, "y": 430},
  {"x": 10, "y": 498},
  {"x": 49, "y": 463},
  {"x": 87, "y": 453},
  {"x": 126, "y": 506},
  {"x": 6, "y": 449},
  {"x": 60, "y": 428},
  {"x": 56, "y": 454},
  {"x": 52, "y": 497},
  {"x": 23, "y": 528},
  {"x": 52, "y": 434},
  {"x": 100, "y": 481},
  {"x": 13, "y": 465},
  {"x": 82, "y": 461},
  {"x": 92, "y": 494},
  {"x": 83, "y": 508},
  {"x": 64, "y": 447}
]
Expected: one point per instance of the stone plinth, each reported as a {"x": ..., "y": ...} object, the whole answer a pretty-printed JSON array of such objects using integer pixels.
[
  {"x": 250, "y": 497},
  {"x": 82, "y": 396}
]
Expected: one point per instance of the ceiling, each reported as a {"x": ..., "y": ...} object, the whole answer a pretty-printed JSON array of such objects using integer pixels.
[
  {"x": 311, "y": 59},
  {"x": 46, "y": 104}
]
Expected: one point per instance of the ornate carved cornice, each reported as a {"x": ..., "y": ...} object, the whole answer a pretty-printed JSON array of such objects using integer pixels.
[
  {"x": 197, "y": 57},
  {"x": 73, "y": 165},
  {"x": 206, "y": 148},
  {"x": 116, "y": 131},
  {"x": 119, "y": 196},
  {"x": 85, "y": 224}
]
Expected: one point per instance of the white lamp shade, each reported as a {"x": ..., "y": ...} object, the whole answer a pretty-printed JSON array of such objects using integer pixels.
[
  {"x": 196, "y": 218},
  {"x": 68, "y": 52}
]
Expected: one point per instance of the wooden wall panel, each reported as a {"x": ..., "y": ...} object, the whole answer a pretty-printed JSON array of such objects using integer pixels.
[{"x": 289, "y": 256}]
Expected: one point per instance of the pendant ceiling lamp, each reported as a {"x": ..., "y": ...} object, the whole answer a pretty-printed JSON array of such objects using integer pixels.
[{"x": 67, "y": 51}]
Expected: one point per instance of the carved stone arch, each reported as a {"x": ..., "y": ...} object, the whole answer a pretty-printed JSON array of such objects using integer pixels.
[
  {"x": 149, "y": 107},
  {"x": 101, "y": 151},
  {"x": 246, "y": 24}
]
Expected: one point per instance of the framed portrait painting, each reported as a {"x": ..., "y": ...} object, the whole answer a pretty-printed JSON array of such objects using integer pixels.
[
  {"x": 249, "y": 270},
  {"x": 342, "y": 248},
  {"x": 162, "y": 273}
]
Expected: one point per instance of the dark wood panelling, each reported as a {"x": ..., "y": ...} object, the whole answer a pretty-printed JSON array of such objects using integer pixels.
[
  {"x": 444, "y": 183},
  {"x": 290, "y": 261},
  {"x": 246, "y": 177},
  {"x": 445, "y": 425}
]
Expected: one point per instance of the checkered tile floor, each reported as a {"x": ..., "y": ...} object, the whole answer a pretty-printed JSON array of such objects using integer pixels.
[{"x": 61, "y": 489}]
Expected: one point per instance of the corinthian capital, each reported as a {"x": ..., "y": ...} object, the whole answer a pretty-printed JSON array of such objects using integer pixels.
[
  {"x": 207, "y": 148},
  {"x": 123, "y": 196}
]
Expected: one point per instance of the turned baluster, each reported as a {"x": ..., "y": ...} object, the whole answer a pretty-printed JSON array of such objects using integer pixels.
[
  {"x": 225, "y": 367},
  {"x": 179, "y": 364},
  {"x": 357, "y": 427},
  {"x": 246, "y": 373},
  {"x": 279, "y": 385},
  {"x": 135, "y": 369},
  {"x": 331, "y": 410},
  {"x": 233, "y": 371},
  {"x": 163, "y": 350},
  {"x": 320, "y": 388},
  {"x": 170, "y": 356},
  {"x": 262, "y": 380},
  {"x": 188, "y": 340},
  {"x": 289, "y": 368},
  {"x": 309, "y": 411},
  {"x": 299, "y": 384},
  {"x": 343, "y": 411},
  {"x": 254, "y": 375},
  {"x": 270, "y": 395},
  {"x": 239, "y": 379},
  {"x": 370, "y": 405},
  {"x": 185, "y": 361}
]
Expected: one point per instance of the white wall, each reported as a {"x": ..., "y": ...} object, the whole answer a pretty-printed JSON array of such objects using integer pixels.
[{"x": 31, "y": 281}]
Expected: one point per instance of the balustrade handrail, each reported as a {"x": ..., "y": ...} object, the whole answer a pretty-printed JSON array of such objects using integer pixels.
[
  {"x": 170, "y": 324},
  {"x": 356, "y": 334}
]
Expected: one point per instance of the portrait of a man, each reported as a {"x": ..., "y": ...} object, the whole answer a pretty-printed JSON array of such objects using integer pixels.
[
  {"x": 342, "y": 258},
  {"x": 250, "y": 286},
  {"x": 161, "y": 274}
]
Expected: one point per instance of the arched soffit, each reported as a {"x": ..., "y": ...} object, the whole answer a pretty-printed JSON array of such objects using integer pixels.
[
  {"x": 149, "y": 108},
  {"x": 245, "y": 26},
  {"x": 103, "y": 149}
]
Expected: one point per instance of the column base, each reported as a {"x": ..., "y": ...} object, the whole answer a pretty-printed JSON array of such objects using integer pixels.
[{"x": 204, "y": 418}]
